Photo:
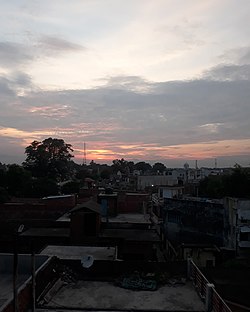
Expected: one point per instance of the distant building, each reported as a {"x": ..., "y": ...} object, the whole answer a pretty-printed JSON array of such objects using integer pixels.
[
  {"x": 193, "y": 221},
  {"x": 237, "y": 225},
  {"x": 204, "y": 255},
  {"x": 155, "y": 180},
  {"x": 170, "y": 191}
]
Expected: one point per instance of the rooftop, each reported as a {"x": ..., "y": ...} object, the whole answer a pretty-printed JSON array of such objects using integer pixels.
[
  {"x": 129, "y": 218},
  {"x": 57, "y": 197},
  {"x": 45, "y": 232},
  {"x": 77, "y": 252},
  {"x": 132, "y": 235},
  {"x": 97, "y": 296},
  {"x": 90, "y": 205}
]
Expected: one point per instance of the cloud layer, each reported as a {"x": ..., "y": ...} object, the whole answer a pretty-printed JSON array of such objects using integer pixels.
[
  {"x": 141, "y": 80},
  {"x": 183, "y": 120}
]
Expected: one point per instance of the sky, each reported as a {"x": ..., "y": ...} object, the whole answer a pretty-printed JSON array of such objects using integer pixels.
[{"x": 144, "y": 80}]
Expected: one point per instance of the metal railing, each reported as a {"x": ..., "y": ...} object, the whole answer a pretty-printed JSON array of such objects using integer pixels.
[
  {"x": 206, "y": 290},
  {"x": 199, "y": 280},
  {"x": 218, "y": 303}
]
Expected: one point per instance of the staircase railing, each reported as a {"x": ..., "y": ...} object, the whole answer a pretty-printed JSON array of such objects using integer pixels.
[{"x": 206, "y": 290}]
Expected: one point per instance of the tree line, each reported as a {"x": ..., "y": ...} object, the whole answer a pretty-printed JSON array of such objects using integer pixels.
[
  {"x": 236, "y": 184},
  {"x": 50, "y": 162}
]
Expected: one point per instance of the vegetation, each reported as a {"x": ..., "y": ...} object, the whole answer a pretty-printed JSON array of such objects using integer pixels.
[
  {"x": 159, "y": 167},
  {"x": 50, "y": 161},
  {"x": 236, "y": 184},
  {"x": 49, "y": 158},
  {"x": 143, "y": 167},
  {"x": 72, "y": 187},
  {"x": 4, "y": 196}
]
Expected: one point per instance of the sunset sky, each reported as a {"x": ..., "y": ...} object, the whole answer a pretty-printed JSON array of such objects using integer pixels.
[{"x": 146, "y": 80}]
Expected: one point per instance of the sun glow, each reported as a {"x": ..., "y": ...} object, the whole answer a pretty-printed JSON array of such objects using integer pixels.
[{"x": 200, "y": 151}]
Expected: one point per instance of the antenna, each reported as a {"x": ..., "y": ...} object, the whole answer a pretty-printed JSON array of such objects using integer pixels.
[
  {"x": 87, "y": 261},
  {"x": 84, "y": 161},
  {"x": 215, "y": 163}
]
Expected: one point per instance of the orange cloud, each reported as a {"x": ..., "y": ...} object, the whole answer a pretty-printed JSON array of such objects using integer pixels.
[{"x": 108, "y": 151}]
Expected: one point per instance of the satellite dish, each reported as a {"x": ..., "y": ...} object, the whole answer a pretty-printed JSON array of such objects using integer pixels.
[
  {"x": 20, "y": 228},
  {"x": 87, "y": 261}
]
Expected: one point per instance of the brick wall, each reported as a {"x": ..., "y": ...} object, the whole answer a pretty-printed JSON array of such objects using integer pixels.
[
  {"x": 131, "y": 202},
  {"x": 50, "y": 208}
]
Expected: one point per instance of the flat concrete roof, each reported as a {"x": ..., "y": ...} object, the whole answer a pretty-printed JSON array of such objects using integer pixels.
[
  {"x": 47, "y": 232},
  {"x": 131, "y": 234},
  {"x": 97, "y": 296},
  {"x": 108, "y": 195},
  {"x": 129, "y": 218},
  {"x": 77, "y": 252},
  {"x": 58, "y": 196},
  {"x": 137, "y": 194}
]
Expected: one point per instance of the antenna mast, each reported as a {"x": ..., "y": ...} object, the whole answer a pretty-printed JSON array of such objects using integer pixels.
[{"x": 84, "y": 161}]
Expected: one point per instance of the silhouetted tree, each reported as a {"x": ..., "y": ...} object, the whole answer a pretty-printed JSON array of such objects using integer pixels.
[
  {"x": 49, "y": 158},
  {"x": 82, "y": 173},
  {"x": 236, "y": 184},
  {"x": 213, "y": 187},
  {"x": 105, "y": 174},
  {"x": 41, "y": 187},
  {"x": 70, "y": 187},
  {"x": 119, "y": 165},
  {"x": 4, "y": 196},
  {"x": 159, "y": 167},
  {"x": 130, "y": 166},
  {"x": 143, "y": 166},
  {"x": 3, "y": 170},
  {"x": 17, "y": 180}
]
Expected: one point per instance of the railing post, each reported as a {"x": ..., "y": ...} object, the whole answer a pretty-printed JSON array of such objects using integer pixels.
[
  {"x": 209, "y": 294},
  {"x": 189, "y": 267}
]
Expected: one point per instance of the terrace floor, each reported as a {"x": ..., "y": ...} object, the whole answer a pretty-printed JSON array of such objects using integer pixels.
[{"x": 97, "y": 296}]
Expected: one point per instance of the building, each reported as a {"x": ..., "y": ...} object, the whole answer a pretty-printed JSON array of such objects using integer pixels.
[
  {"x": 127, "y": 286},
  {"x": 237, "y": 226},
  {"x": 155, "y": 180},
  {"x": 85, "y": 221},
  {"x": 170, "y": 191},
  {"x": 193, "y": 221}
]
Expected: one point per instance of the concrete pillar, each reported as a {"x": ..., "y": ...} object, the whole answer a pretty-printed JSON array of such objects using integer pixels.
[{"x": 209, "y": 293}]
